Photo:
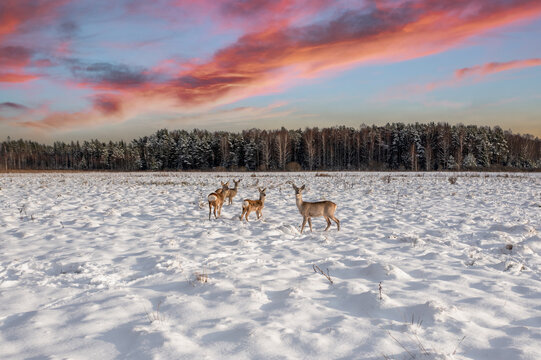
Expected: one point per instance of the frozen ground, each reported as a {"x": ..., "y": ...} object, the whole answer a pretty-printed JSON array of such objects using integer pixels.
[{"x": 102, "y": 266}]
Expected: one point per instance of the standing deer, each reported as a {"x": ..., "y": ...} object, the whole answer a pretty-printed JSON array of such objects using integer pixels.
[
  {"x": 309, "y": 210},
  {"x": 233, "y": 192},
  {"x": 216, "y": 199},
  {"x": 254, "y": 205}
]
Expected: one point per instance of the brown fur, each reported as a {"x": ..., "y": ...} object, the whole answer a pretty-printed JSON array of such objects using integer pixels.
[
  {"x": 254, "y": 205},
  {"x": 216, "y": 199},
  {"x": 308, "y": 210},
  {"x": 233, "y": 192}
]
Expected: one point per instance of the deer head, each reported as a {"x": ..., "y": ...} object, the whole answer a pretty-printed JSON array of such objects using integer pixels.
[
  {"x": 225, "y": 186},
  {"x": 298, "y": 190}
]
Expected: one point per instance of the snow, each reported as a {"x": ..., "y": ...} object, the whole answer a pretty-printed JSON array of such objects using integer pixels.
[{"x": 127, "y": 265}]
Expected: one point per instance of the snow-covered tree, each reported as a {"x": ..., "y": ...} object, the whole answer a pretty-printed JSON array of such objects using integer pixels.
[
  {"x": 451, "y": 163},
  {"x": 250, "y": 154},
  {"x": 469, "y": 161}
]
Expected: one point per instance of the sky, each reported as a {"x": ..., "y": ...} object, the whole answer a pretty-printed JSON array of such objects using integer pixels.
[{"x": 111, "y": 70}]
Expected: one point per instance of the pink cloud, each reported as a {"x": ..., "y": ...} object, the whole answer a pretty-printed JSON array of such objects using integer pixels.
[
  {"x": 279, "y": 50},
  {"x": 16, "y": 78},
  {"x": 253, "y": 15},
  {"x": 460, "y": 76},
  {"x": 15, "y": 14},
  {"x": 495, "y": 67}
]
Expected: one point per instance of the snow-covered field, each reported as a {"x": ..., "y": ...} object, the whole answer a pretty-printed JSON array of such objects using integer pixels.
[{"x": 102, "y": 266}]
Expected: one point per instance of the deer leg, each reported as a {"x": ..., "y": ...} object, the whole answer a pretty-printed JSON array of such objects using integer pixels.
[
  {"x": 215, "y": 211},
  {"x": 328, "y": 223},
  {"x": 337, "y": 222},
  {"x": 210, "y": 210},
  {"x": 247, "y": 213},
  {"x": 303, "y": 223},
  {"x": 220, "y": 210},
  {"x": 258, "y": 212},
  {"x": 310, "y": 223},
  {"x": 243, "y": 212}
]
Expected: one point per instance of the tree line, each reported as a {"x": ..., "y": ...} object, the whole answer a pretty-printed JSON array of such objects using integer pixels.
[{"x": 397, "y": 146}]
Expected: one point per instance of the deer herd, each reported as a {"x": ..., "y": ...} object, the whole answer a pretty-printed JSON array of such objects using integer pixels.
[{"x": 308, "y": 210}]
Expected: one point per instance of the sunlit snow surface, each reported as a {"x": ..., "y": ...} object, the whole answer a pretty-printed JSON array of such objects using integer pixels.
[{"x": 113, "y": 265}]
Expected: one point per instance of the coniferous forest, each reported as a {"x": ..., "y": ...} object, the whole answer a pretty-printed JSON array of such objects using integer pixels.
[{"x": 397, "y": 146}]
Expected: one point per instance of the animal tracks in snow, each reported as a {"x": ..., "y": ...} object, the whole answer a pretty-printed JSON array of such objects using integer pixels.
[{"x": 121, "y": 265}]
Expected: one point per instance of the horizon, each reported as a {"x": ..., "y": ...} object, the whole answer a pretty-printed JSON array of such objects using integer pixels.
[
  {"x": 189, "y": 130},
  {"x": 81, "y": 70}
]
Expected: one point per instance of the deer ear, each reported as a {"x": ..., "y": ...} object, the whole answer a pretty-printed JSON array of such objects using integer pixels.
[
  {"x": 265, "y": 189},
  {"x": 302, "y": 187},
  {"x": 294, "y": 187}
]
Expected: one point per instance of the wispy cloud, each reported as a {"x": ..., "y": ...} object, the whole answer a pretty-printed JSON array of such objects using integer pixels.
[
  {"x": 495, "y": 67},
  {"x": 8, "y": 105},
  {"x": 13, "y": 60},
  {"x": 16, "y": 77},
  {"x": 460, "y": 77},
  {"x": 404, "y": 31},
  {"x": 237, "y": 115},
  {"x": 103, "y": 75},
  {"x": 18, "y": 16},
  {"x": 278, "y": 48}
]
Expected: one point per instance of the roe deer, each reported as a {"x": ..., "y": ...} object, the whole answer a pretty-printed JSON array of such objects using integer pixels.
[
  {"x": 216, "y": 199},
  {"x": 309, "y": 210},
  {"x": 254, "y": 205},
  {"x": 233, "y": 192}
]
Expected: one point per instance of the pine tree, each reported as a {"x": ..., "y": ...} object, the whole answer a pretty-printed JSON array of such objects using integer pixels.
[
  {"x": 469, "y": 161},
  {"x": 419, "y": 146},
  {"x": 250, "y": 154},
  {"x": 451, "y": 163},
  {"x": 500, "y": 148},
  {"x": 483, "y": 148},
  {"x": 183, "y": 151}
]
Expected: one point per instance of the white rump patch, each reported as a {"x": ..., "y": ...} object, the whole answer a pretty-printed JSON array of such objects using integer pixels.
[{"x": 212, "y": 198}]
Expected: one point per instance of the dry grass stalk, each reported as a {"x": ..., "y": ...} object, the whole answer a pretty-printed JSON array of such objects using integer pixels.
[
  {"x": 202, "y": 277},
  {"x": 155, "y": 315},
  {"x": 317, "y": 269},
  {"x": 460, "y": 342},
  {"x": 399, "y": 343}
]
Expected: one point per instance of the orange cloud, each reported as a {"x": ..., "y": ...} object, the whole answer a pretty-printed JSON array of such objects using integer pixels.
[
  {"x": 13, "y": 60},
  {"x": 16, "y": 17},
  {"x": 495, "y": 67},
  {"x": 16, "y": 13},
  {"x": 106, "y": 108},
  {"x": 407, "y": 31},
  {"x": 253, "y": 15},
  {"x": 280, "y": 53},
  {"x": 460, "y": 76},
  {"x": 16, "y": 78}
]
